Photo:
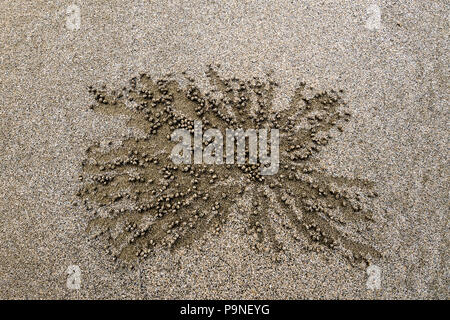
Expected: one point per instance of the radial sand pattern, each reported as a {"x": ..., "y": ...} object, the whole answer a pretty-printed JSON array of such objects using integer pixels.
[{"x": 138, "y": 199}]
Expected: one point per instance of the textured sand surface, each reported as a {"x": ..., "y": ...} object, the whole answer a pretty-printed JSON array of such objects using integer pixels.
[{"x": 395, "y": 80}]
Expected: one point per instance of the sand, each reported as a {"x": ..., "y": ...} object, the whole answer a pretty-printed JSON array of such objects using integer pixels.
[{"x": 393, "y": 74}]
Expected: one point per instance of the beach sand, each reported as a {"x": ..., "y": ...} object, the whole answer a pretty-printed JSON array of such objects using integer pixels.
[{"x": 394, "y": 75}]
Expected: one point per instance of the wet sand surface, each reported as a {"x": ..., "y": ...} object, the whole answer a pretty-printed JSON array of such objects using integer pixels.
[{"x": 365, "y": 104}]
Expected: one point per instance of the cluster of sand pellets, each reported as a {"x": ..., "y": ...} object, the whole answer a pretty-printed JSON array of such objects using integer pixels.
[{"x": 138, "y": 200}]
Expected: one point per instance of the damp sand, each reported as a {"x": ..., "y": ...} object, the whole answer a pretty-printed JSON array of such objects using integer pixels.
[{"x": 388, "y": 156}]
